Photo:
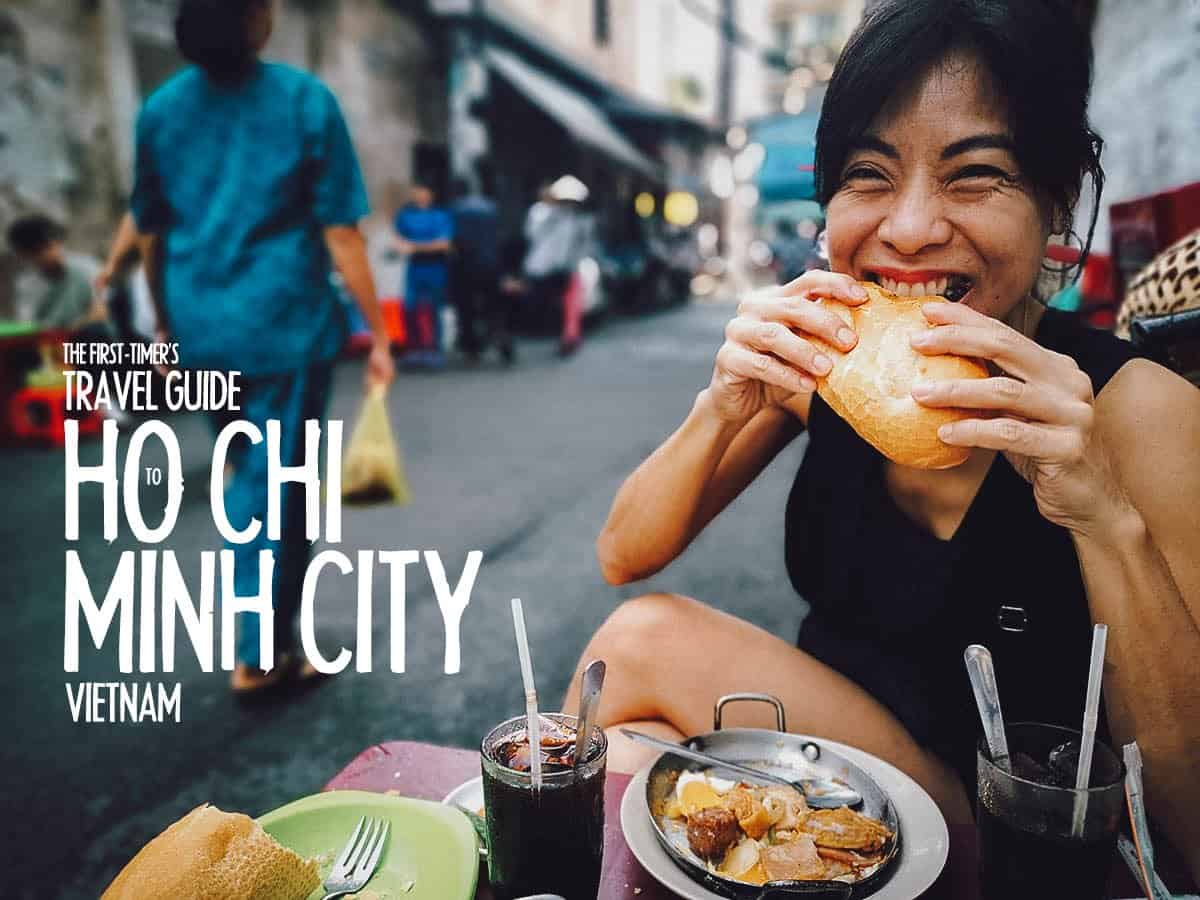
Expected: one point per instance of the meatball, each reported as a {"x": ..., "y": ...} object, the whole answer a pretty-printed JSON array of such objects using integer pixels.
[{"x": 713, "y": 831}]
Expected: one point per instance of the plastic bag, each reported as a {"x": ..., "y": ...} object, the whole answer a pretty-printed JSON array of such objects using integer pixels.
[{"x": 372, "y": 471}]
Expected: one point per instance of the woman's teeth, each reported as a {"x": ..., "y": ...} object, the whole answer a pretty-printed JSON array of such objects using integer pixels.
[
  {"x": 934, "y": 288},
  {"x": 952, "y": 287}
]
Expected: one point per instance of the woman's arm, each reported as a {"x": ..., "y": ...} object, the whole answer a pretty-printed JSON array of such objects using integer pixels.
[
  {"x": 124, "y": 246},
  {"x": 441, "y": 245},
  {"x": 150, "y": 247},
  {"x": 1119, "y": 472},
  {"x": 684, "y": 485},
  {"x": 756, "y": 403},
  {"x": 348, "y": 249},
  {"x": 1142, "y": 574}
]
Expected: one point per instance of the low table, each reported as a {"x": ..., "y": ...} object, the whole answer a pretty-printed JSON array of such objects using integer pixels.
[{"x": 430, "y": 772}]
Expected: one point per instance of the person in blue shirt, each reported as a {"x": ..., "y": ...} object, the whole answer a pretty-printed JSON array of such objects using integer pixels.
[
  {"x": 246, "y": 194},
  {"x": 424, "y": 234}
]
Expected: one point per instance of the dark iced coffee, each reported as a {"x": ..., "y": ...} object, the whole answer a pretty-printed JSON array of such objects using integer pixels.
[{"x": 552, "y": 840}]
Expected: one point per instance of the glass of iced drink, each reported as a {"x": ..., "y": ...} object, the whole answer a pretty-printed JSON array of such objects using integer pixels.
[
  {"x": 1028, "y": 847},
  {"x": 550, "y": 841}
]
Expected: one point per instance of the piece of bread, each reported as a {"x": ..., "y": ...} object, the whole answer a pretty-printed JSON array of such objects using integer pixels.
[
  {"x": 214, "y": 855},
  {"x": 870, "y": 387}
]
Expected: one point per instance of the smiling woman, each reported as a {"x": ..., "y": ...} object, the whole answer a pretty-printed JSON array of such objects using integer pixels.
[
  {"x": 1027, "y": 70},
  {"x": 953, "y": 143}
]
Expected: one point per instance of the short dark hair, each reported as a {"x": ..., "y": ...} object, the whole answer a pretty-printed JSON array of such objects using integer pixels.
[
  {"x": 1038, "y": 55},
  {"x": 31, "y": 234},
  {"x": 214, "y": 35}
]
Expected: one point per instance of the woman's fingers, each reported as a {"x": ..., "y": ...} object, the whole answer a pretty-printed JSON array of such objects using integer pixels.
[
  {"x": 742, "y": 362},
  {"x": 819, "y": 283},
  {"x": 962, "y": 331},
  {"x": 770, "y": 337},
  {"x": 818, "y": 319},
  {"x": 762, "y": 343},
  {"x": 1023, "y": 399},
  {"x": 1046, "y": 443}
]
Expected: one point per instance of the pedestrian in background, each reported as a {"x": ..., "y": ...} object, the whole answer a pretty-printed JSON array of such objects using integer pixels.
[
  {"x": 558, "y": 233},
  {"x": 483, "y": 314},
  {"x": 424, "y": 233},
  {"x": 246, "y": 193},
  {"x": 55, "y": 291},
  {"x": 55, "y": 294}
]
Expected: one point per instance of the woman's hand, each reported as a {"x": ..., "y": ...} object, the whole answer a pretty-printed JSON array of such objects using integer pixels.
[
  {"x": 763, "y": 361},
  {"x": 162, "y": 336},
  {"x": 103, "y": 280},
  {"x": 381, "y": 368},
  {"x": 1040, "y": 413}
]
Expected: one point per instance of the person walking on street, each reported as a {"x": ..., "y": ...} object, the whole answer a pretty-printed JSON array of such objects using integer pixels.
[
  {"x": 476, "y": 273},
  {"x": 246, "y": 193},
  {"x": 558, "y": 233},
  {"x": 424, "y": 233}
]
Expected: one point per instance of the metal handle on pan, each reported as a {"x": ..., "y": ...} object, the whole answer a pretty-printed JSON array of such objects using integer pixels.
[
  {"x": 780, "y": 890},
  {"x": 760, "y": 698},
  {"x": 833, "y": 890}
]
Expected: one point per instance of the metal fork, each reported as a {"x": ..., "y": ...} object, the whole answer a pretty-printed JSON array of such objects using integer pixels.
[{"x": 356, "y": 863}]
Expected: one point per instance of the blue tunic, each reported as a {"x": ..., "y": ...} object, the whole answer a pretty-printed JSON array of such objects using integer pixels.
[
  {"x": 241, "y": 180},
  {"x": 421, "y": 226}
]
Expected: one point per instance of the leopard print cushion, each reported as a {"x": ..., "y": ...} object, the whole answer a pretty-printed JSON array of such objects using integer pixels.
[{"x": 1169, "y": 284}]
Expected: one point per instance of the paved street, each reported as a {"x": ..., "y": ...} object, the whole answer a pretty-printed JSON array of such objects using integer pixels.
[{"x": 520, "y": 464}]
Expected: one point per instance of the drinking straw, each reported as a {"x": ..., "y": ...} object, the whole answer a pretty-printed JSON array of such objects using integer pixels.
[
  {"x": 531, "y": 711},
  {"x": 1091, "y": 714}
]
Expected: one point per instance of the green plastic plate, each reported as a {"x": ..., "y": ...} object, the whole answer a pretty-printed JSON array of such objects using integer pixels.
[{"x": 431, "y": 852}]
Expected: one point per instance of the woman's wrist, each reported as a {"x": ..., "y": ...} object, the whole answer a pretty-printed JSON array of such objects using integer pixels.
[
  {"x": 706, "y": 413},
  {"x": 1116, "y": 530}
]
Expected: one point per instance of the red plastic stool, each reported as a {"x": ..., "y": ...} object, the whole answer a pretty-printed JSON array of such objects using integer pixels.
[
  {"x": 40, "y": 414},
  {"x": 392, "y": 310}
]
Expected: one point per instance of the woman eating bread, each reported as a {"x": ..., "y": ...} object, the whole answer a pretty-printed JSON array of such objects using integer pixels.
[{"x": 979, "y": 468}]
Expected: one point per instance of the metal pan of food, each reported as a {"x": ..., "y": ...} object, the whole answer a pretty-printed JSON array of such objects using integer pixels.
[{"x": 744, "y": 840}]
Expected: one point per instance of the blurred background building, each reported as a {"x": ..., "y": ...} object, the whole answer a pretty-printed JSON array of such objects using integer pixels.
[{"x": 690, "y": 121}]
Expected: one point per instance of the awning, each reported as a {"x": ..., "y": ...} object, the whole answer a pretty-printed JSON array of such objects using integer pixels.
[
  {"x": 786, "y": 173},
  {"x": 787, "y": 169},
  {"x": 578, "y": 115}
]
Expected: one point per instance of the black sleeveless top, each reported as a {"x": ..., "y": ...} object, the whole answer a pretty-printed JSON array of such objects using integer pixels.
[{"x": 893, "y": 607}]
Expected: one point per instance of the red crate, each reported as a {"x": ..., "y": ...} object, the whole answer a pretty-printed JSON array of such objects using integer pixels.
[
  {"x": 39, "y": 415},
  {"x": 1142, "y": 228}
]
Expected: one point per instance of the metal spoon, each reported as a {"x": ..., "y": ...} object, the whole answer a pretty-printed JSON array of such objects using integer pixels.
[
  {"x": 821, "y": 793},
  {"x": 1143, "y": 849},
  {"x": 987, "y": 697},
  {"x": 589, "y": 701}
]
